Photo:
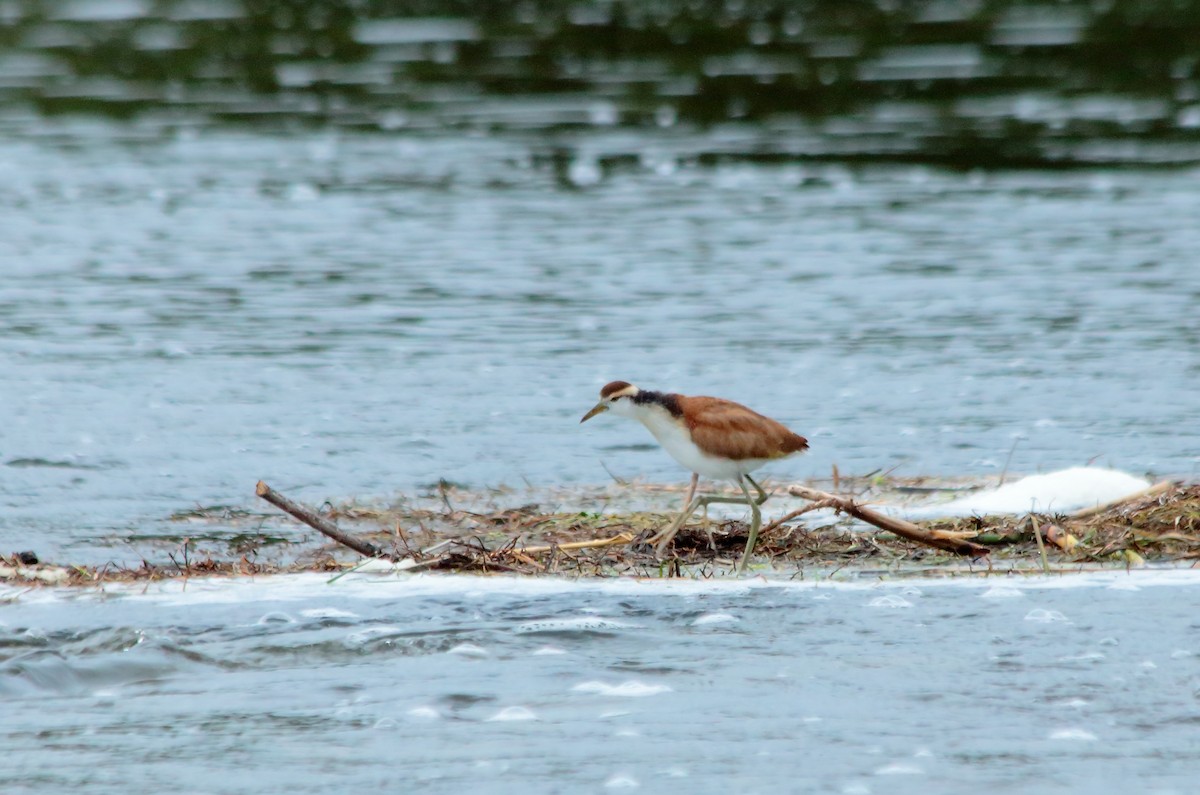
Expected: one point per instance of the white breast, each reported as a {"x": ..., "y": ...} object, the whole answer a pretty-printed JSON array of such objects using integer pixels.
[{"x": 676, "y": 440}]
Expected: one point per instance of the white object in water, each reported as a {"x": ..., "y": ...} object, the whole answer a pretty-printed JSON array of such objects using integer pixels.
[
  {"x": 630, "y": 689},
  {"x": 1064, "y": 491},
  {"x": 514, "y": 714}
]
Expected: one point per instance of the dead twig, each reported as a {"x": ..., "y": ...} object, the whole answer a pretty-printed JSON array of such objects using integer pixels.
[
  {"x": 813, "y": 506},
  {"x": 1037, "y": 534},
  {"x": 621, "y": 538},
  {"x": 900, "y": 527},
  {"x": 316, "y": 522},
  {"x": 1157, "y": 488}
]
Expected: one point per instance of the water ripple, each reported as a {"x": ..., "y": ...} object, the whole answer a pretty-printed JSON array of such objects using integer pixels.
[{"x": 628, "y": 689}]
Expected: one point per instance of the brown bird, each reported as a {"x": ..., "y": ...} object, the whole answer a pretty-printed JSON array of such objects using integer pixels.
[{"x": 710, "y": 436}]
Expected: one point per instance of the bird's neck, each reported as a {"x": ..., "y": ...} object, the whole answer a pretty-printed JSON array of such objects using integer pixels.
[
  {"x": 659, "y": 412},
  {"x": 649, "y": 401}
]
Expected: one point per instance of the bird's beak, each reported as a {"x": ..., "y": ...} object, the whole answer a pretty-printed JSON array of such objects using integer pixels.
[{"x": 599, "y": 408}]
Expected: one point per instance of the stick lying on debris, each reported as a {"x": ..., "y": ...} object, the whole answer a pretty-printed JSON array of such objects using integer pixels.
[
  {"x": 1157, "y": 488},
  {"x": 317, "y": 522},
  {"x": 820, "y": 499},
  {"x": 902, "y": 528},
  {"x": 620, "y": 538},
  {"x": 371, "y": 551}
]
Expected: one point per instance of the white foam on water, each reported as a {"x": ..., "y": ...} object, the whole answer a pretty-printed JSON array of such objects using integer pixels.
[
  {"x": 277, "y": 618},
  {"x": 1074, "y": 734},
  {"x": 1064, "y": 491},
  {"x": 493, "y": 765},
  {"x": 629, "y": 689},
  {"x": 424, "y": 713},
  {"x": 311, "y": 586},
  {"x": 900, "y": 769},
  {"x": 548, "y": 650},
  {"x": 1091, "y": 656},
  {"x": 468, "y": 650},
  {"x": 1001, "y": 592},
  {"x": 709, "y": 619},
  {"x": 622, "y": 781},
  {"x": 890, "y": 601},
  {"x": 1043, "y": 616},
  {"x": 514, "y": 714},
  {"x": 580, "y": 624},
  {"x": 327, "y": 612}
]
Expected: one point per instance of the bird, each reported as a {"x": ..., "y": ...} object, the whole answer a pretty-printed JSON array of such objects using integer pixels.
[{"x": 710, "y": 436}]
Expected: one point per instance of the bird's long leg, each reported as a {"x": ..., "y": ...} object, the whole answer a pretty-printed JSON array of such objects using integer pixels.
[
  {"x": 691, "y": 492},
  {"x": 708, "y": 529},
  {"x": 683, "y": 517},
  {"x": 762, "y": 495},
  {"x": 755, "y": 522},
  {"x": 689, "y": 507},
  {"x": 688, "y": 501},
  {"x": 662, "y": 539}
]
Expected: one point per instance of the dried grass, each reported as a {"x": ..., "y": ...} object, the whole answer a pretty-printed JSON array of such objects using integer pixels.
[{"x": 1160, "y": 528}]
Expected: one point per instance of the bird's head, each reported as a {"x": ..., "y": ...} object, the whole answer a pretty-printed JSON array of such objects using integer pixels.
[{"x": 616, "y": 395}]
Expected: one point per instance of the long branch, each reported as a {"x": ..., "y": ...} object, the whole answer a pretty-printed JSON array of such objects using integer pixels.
[
  {"x": 900, "y": 527},
  {"x": 1157, "y": 488},
  {"x": 620, "y": 538},
  {"x": 317, "y": 522}
]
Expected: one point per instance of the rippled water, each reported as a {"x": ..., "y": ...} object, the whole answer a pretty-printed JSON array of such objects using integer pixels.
[
  {"x": 349, "y": 315},
  {"x": 354, "y": 250},
  {"x": 443, "y": 685}
]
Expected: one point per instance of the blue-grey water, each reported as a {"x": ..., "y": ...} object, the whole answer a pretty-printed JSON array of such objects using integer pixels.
[
  {"x": 444, "y": 685},
  {"x": 357, "y": 248},
  {"x": 359, "y": 315},
  {"x": 354, "y": 250}
]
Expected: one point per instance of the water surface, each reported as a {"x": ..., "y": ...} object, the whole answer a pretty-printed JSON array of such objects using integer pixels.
[
  {"x": 360, "y": 315},
  {"x": 443, "y": 684},
  {"x": 357, "y": 249}
]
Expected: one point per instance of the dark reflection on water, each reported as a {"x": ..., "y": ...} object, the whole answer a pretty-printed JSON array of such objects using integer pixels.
[{"x": 967, "y": 83}]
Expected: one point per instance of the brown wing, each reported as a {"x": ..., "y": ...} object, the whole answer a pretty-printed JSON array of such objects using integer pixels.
[{"x": 730, "y": 430}]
